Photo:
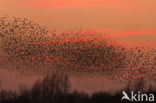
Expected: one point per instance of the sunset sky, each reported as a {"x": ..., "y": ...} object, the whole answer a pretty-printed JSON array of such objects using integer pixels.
[
  {"x": 113, "y": 15},
  {"x": 127, "y": 20}
]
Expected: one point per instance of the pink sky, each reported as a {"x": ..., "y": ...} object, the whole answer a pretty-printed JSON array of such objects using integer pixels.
[
  {"x": 119, "y": 15},
  {"x": 127, "y": 20}
]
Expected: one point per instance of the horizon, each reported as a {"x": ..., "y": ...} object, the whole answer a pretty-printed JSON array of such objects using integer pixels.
[{"x": 102, "y": 45}]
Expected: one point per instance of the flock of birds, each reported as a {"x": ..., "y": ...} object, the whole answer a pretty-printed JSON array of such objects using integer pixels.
[{"x": 27, "y": 46}]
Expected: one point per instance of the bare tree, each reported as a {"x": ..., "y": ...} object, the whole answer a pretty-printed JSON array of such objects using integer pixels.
[{"x": 50, "y": 88}]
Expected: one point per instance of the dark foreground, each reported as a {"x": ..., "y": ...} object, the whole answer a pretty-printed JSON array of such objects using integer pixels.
[{"x": 55, "y": 88}]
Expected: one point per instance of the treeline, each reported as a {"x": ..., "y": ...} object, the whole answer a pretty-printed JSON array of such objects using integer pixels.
[{"x": 55, "y": 88}]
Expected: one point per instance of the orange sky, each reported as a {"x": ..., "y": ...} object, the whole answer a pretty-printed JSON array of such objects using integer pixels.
[{"x": 119, "y": 15}]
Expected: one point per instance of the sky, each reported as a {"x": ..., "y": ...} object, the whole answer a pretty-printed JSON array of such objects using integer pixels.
[
  {"x": 127, "y": 17},
  {"x": 66, "y": 15}
]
